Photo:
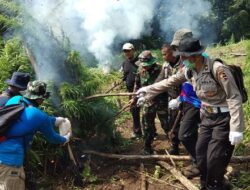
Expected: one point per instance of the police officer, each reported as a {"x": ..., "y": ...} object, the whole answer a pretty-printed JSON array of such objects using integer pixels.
[
  {"x": 148, "y": 73},
  {"x": 129, "y": 69},
  {"x": 189, "y": 105},
  {"x": 222, "y": 120}
]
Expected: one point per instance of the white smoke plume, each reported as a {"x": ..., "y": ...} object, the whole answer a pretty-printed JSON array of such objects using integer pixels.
[
  {"x": 185, "y": 14},
  {"x": 94, "y": 26}
]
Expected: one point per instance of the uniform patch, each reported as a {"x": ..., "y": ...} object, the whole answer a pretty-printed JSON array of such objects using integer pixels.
[{"x": 222, "y": 75}]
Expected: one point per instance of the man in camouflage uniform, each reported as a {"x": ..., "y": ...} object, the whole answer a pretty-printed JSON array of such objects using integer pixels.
[
  {"x": 169, "y": 68},
  {"x": 222, "y": 119},
  {"x": 148, "y": 73}
]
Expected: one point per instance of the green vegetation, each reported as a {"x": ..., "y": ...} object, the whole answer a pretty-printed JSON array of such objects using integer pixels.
[{"x": 94, "y": 119}]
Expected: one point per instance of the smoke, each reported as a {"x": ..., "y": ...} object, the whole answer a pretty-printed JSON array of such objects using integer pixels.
[
  {"x": 93, "y": 26},
  {"x": 191, "y": 14}
]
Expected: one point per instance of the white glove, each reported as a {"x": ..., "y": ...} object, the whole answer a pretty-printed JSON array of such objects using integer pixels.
[
  {"x": 59, "y": 120},
  {"x": 235, "y": 137},
  {"x": 67, "y": 137},
  {"x": 65, "y": 127},
  {"x": 142, "y": 90},
  {"x": 174, "y": 104},
  {"x": 141, "y": 101}
]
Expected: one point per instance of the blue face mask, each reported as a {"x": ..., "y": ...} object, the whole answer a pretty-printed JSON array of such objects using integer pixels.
[{"x": 189, "y": 65}]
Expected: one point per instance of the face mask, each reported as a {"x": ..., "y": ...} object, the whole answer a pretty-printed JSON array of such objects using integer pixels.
[{"x": 189, "y": 65}]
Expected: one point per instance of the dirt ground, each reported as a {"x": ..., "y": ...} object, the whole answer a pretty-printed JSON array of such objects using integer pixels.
[{"x": 114, "y": 174}]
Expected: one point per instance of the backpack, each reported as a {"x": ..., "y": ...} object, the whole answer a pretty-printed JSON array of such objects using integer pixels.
[
  {"x": 8, "y": 115},
  {"x": 238, "y": 77}
]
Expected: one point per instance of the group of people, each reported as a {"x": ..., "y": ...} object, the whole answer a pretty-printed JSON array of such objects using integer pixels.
[
  {"x": 199, "y": 88},
  {"x": 16, "y": 141}
]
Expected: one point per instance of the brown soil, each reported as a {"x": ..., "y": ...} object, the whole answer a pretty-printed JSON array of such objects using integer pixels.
[{"x": 113, "y": 174}]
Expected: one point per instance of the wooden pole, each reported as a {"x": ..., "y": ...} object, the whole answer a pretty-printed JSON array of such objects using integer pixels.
[
  {"x": 114, "y": 86},
  {"x": 143, "y": 177},
  {"x": 234, "y": 159},
  {"x": 110, "y": 94},
  {"x": 171, "y": 133}
]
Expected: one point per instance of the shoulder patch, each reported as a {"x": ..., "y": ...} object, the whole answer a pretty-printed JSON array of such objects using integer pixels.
[{"x": 222, "y": 75}]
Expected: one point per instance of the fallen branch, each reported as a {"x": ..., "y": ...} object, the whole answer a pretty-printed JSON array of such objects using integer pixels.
[
  {"x": 143, "y": 178},
  {"x": 114, "y": 86},
  {"x": 110, "y": 94},
  {"x": 177, "y": 174},
  {"x": 234, "y": 159},
  {"x": 158, "y": 180},
  {"x": 238, "y": 54}
]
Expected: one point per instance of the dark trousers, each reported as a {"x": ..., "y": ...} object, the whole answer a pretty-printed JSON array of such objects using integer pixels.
[
  {"x": 188, "y": 132},
  {"x": 149, "y": 115},
  {"x": 135, "y": 112},
  {"x": 213, "y": 149}
]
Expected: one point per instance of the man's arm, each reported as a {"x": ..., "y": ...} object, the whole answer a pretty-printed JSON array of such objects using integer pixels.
[
  {"x": 47, "y": 129},
  {"x": 162, "y": 86}
]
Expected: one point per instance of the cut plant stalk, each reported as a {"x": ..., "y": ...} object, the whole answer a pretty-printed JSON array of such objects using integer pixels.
[{"x": 110, "y": 94}]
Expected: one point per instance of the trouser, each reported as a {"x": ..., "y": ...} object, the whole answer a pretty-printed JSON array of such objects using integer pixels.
[
  {"x": 213, "y": 149},
  {"x": 149, "y": 115},
  {"x": 12, "y": 178},
  {"x": 188, "y": 131},
  {"x": 135, "y": 112}
]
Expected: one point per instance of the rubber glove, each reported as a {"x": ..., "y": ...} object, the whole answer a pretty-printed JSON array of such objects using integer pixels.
[{"x": 235, "y": 137}]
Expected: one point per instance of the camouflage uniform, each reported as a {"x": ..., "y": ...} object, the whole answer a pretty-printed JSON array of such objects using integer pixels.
[
  {"x": 158, "y": 105},
  {"x": 169, "y": 69}
]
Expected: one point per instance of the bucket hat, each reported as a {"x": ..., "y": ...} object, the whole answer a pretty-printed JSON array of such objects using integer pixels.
[
  {"x": 35, "y": 90},
  {"x": 19, "y": 80}
]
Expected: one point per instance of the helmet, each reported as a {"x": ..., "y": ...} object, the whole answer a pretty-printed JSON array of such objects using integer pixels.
[
  {"x": 146, "y": 58},
  {"x": 35, "y": 90}
]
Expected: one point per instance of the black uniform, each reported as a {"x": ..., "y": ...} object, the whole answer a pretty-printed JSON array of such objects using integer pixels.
[{"x": 129, "y": 72}]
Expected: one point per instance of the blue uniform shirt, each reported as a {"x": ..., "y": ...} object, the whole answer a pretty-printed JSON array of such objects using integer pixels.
[{"x": 21, "y": 133}]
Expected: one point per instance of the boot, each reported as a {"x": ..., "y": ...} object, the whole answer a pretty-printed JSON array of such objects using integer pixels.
[
  {"x": 191, "y": 171},
  {"x": 174, "y": 150},
  {"x": 136, "y": 136},
  {"x": 203, "y": 185},
  {"x": 227, "y": 185},
  {"x": 147, "y": 151}
]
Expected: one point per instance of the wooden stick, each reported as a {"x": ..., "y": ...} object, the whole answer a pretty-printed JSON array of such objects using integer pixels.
[
  {"x": 172, "y": 161},
  {"x": 171, "y": 133},
  {"x": 234, "y": 159},
  {"x": 177, "y": 174},
  {"x": 238, "y": 54},
  {"x": 30, "y": 56},
  {"x": 110, "y": 94},
  {"x": 143, "y": 178},
  {"x": 158, "y": 180},
  {"x": 113, "y": 87},
  {"x": 71, "y": 155}
]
